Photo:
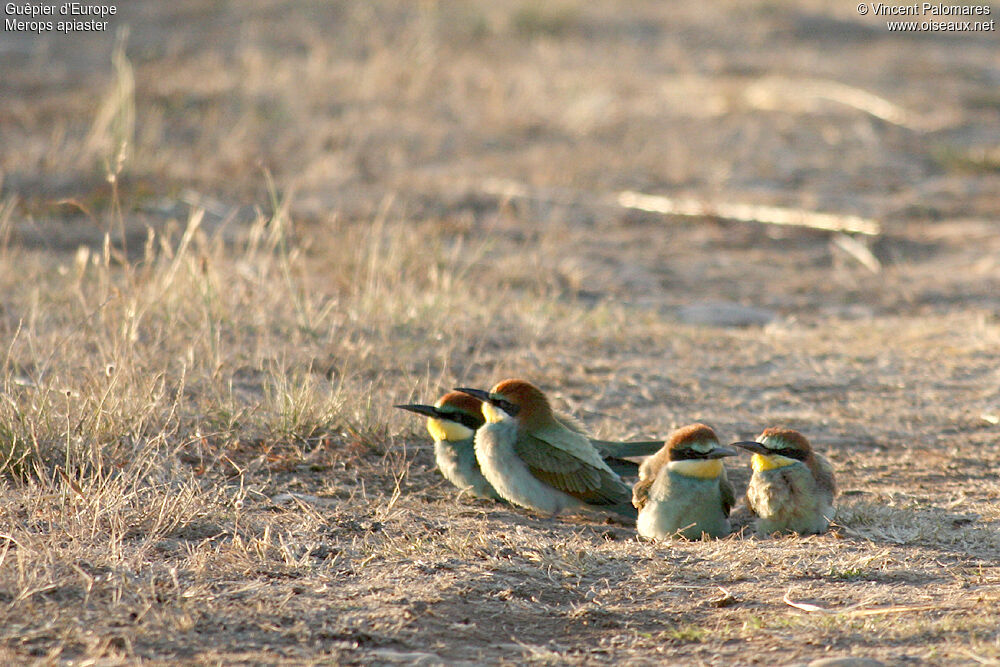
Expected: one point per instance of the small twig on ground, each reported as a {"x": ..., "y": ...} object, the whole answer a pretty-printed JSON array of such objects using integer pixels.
[
  {"x": 856, "y": 609},
  {"x": 770, "y": 92},
  {"x": 768, "y": 215},
  {"x": 696, "y": 208}
]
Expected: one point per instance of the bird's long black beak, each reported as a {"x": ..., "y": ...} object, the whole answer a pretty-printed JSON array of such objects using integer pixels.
[
  {"x": 751, "y": 446},
  {"x": 483, "y": 396},
  {"x": 426, "y": 410},
  {"x": 720, "y": 453}
]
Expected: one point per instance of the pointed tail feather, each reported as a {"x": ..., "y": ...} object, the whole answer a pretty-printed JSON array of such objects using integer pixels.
[
  {"x": 621, "y": 467},
  {"x": 622, "y": 449}
]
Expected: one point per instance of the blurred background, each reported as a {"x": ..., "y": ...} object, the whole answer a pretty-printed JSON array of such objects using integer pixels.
[
  {"x": 805, "y": 104},
  {"x": 488, "y": 143}
]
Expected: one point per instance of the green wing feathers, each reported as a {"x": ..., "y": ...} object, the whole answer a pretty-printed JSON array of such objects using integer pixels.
[
  {"x": 555, "y": 441},
  {"x": 571, "y": 422},
  {"x": 567, "y": 462},
  {"x": 613, "y": 451}
]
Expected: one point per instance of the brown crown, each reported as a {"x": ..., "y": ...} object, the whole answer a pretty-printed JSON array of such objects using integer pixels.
[
  {"x": 791, "y": 436},
  {"x": 690, "y": 433},
  {"x": 528, "y": 397},
  {"x": 460, "y": 401}
]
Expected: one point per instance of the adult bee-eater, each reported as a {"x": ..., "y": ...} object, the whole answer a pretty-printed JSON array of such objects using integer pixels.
[{"x": 535, "y": 461}]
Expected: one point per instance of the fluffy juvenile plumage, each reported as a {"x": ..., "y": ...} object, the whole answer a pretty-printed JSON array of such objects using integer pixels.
[
  {"x": 683, "y": 490},
  {"x": 792, "y": 487}
]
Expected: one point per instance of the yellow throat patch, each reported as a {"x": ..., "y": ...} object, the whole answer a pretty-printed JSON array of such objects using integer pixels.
[
  {"x": 450, "y": 431},
  {"x": 698, "y": 468},
  {"x": 762, "y": 462},
  {"x": 493, "y": 414}
]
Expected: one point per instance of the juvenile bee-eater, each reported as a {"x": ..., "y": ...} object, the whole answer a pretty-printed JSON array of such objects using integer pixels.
[
  {"x": 533, "y": 460},
  {"x": 791, "y": 488},
  {"x": 683, "y": 490},
  {"x": 453, "y": 422}
]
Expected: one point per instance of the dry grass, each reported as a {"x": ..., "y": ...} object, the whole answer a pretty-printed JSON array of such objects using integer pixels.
[{"x": 226, "y": 252}]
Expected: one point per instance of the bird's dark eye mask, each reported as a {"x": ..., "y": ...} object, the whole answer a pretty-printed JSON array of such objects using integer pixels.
[
  {"x": 472, "y": 422},
  {"x": 505, "y": 405}
]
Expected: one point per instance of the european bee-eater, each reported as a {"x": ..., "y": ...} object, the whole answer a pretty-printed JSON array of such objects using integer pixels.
[
  {"x": 456, "y": 416},
  {"x": 453, "y": 422},
  {"x": 683, "y": 490},
  {"x": 792, "y": 487},
  {"x": 533, "y": 460}
]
